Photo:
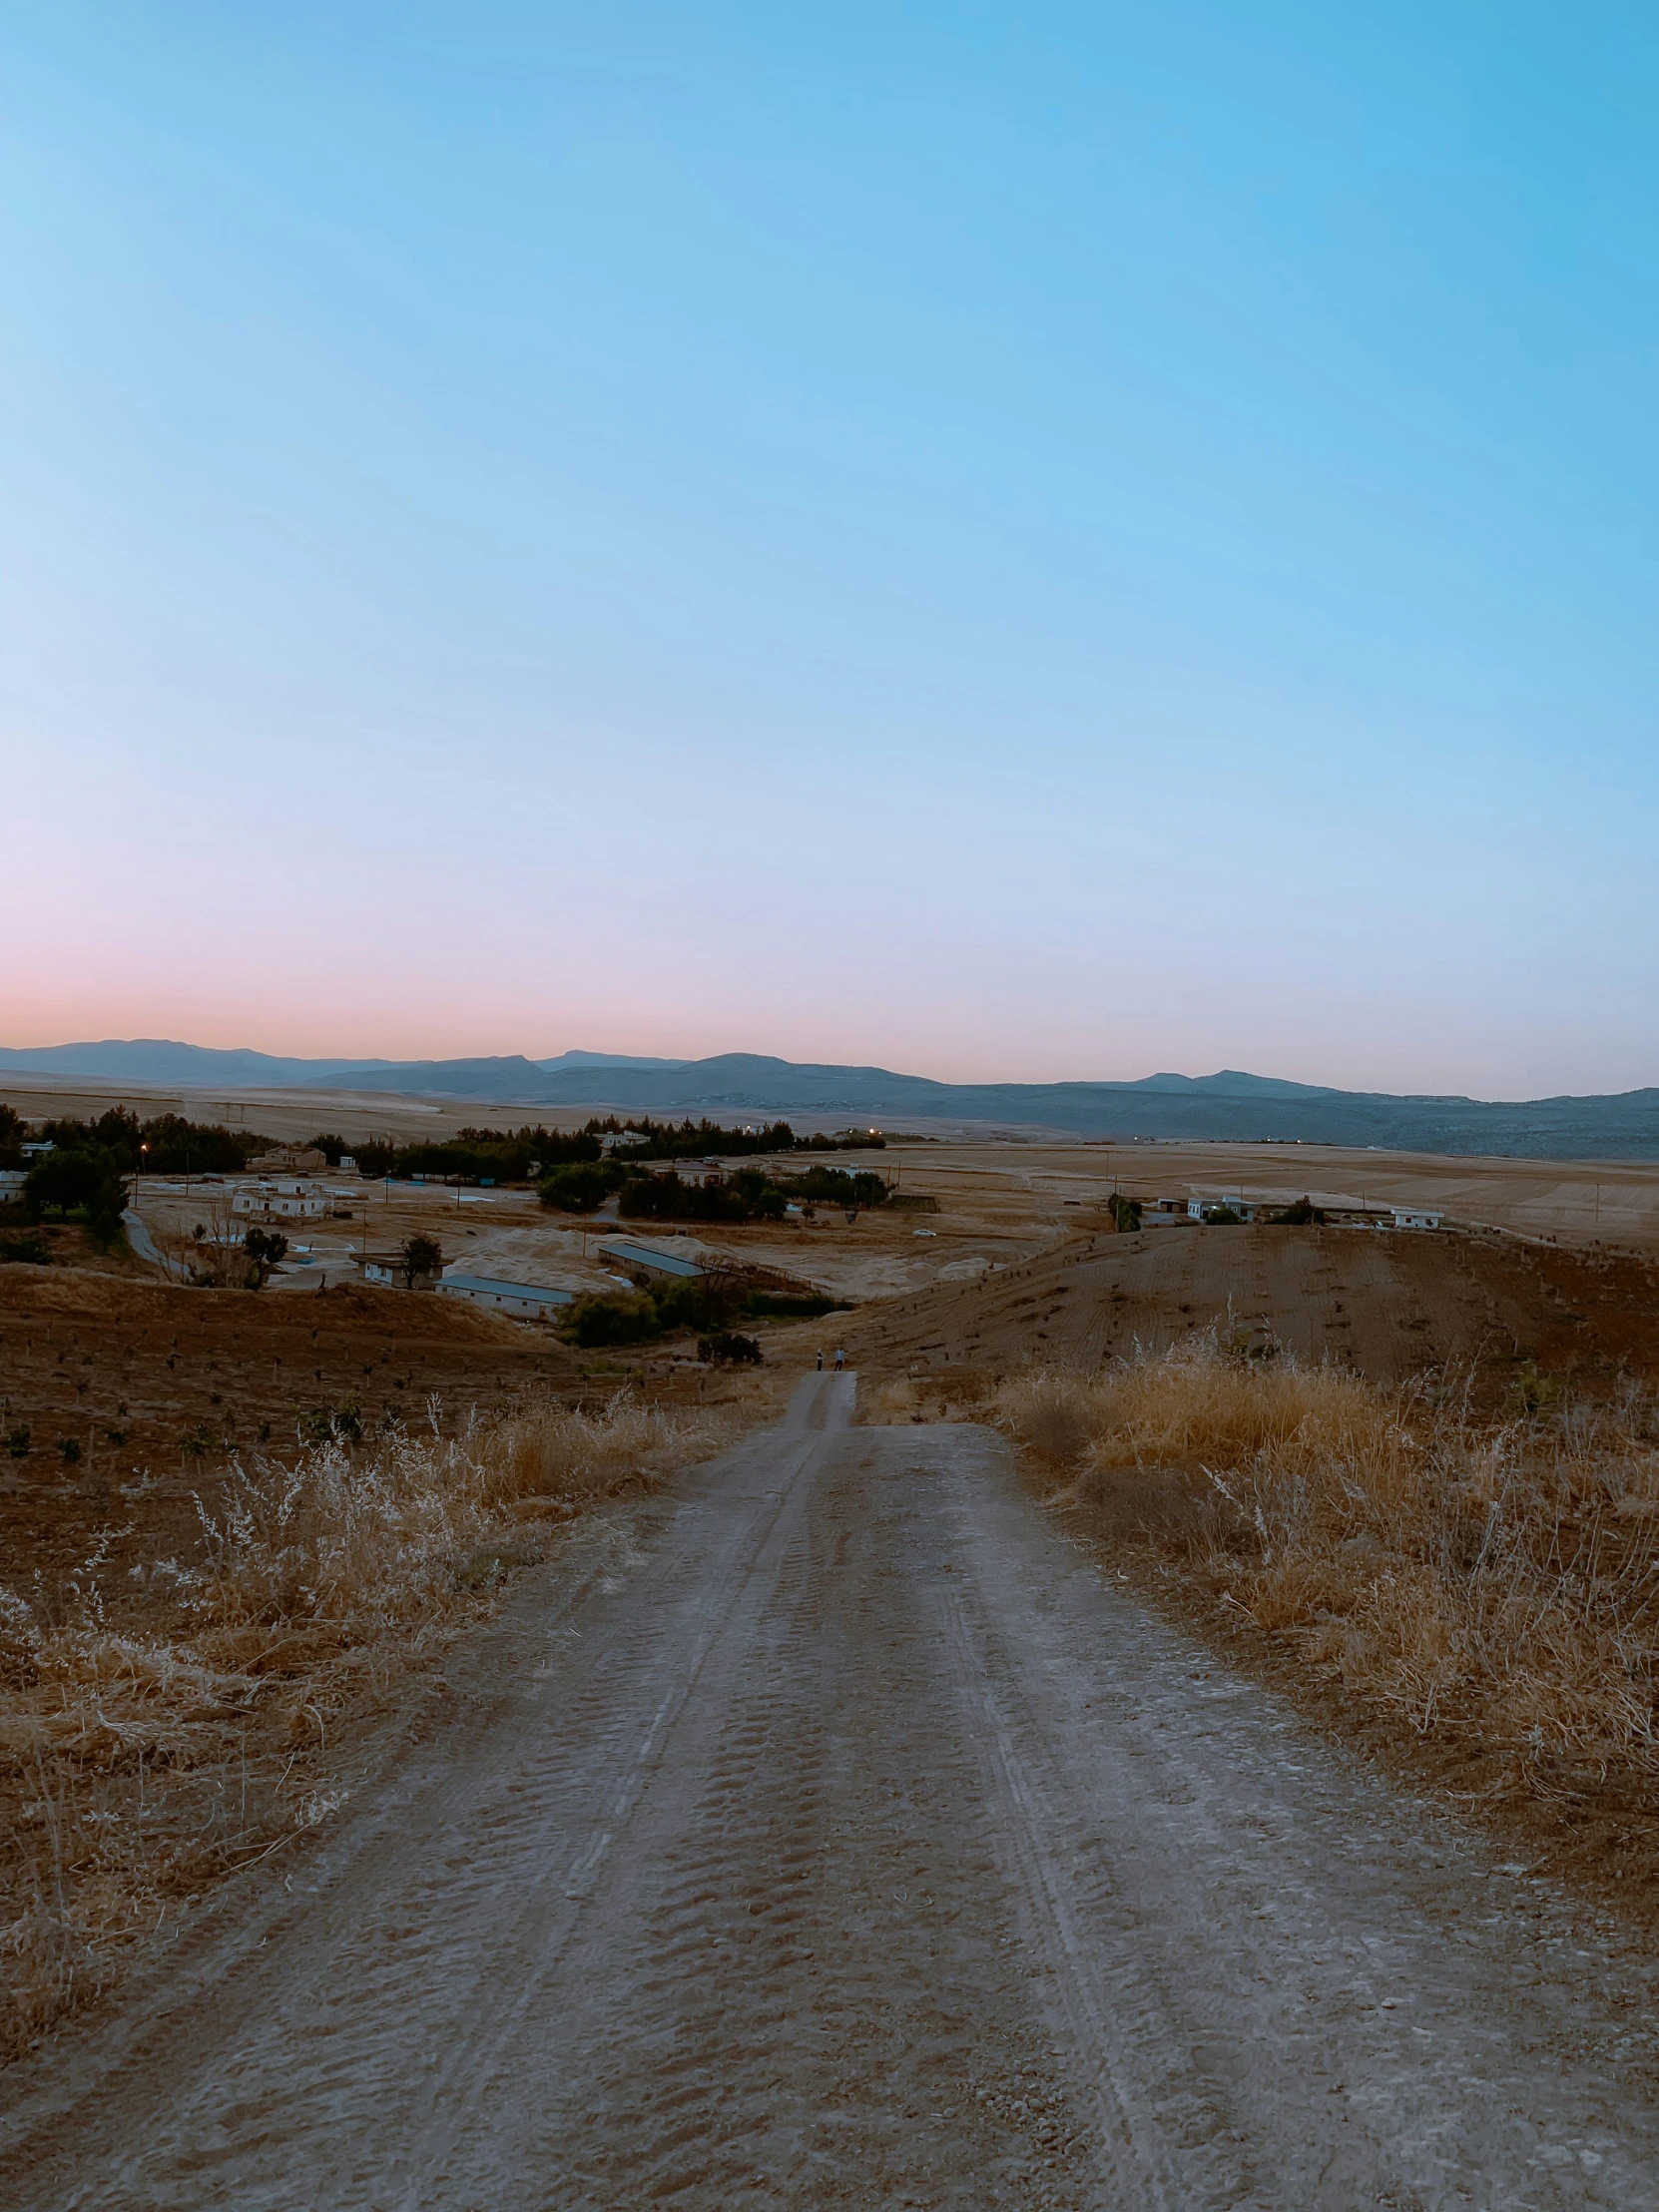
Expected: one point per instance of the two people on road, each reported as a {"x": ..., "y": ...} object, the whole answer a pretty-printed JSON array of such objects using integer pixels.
[{"x": 841, "y": 1361}]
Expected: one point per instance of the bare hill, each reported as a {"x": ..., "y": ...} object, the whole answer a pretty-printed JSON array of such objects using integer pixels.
[
  {"x": 1231, "y": 1105},
  {"x": 1389, "y": 1306}
]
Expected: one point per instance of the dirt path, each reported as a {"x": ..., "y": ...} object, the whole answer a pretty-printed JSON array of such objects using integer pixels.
[{"x": 843, "y": 1838}]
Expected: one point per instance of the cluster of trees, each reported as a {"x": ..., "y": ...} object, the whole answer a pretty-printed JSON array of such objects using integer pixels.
[
  {"x": 690, "y": 1140},
  {"x": 167, "y": 1144},
  {"x": 1302, "y": 1215},
  {"x": 476, "y": 1155},
  {"x": 748, "y": 1195},
  {"x": 515, "y": 1155},
  {"x": 710, "y": 1305},
  {"x": 82, "y": 1184}
]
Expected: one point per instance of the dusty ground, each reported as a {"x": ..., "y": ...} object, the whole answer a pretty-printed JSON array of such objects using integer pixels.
[
  {"x": 855, "y": 1841},
  {"x": 1389, "y": 1304}
]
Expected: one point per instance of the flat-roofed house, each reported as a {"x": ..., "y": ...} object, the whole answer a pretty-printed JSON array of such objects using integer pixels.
[
  {"x": 693, "y": 1173},
  {"x": 387, "y": 1268},
  {"x": 282, "y": 1202},
  {"x": 289, "y": 1159},
  {"x": 1417, "y": 1217}
]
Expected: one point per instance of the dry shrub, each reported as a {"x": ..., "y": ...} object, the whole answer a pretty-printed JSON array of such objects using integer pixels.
[
  {"x": 569, "y": 1458},
  {"x": 924, "y": 1397},
  {"x": 893, "y": 1403},
  {"x": 1054, "y": 1412},
  {"x": 175, "y": 1727},
  {"x": 1497, "y": 1584}
]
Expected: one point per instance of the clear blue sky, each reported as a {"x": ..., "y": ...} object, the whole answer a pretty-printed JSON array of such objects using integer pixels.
[{"x": 1007, "y": 542}]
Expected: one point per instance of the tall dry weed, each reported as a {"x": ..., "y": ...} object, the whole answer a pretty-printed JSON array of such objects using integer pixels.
[
  {"x": 1497, "y": 1584},
  {"x": 160, "y": 1731}
]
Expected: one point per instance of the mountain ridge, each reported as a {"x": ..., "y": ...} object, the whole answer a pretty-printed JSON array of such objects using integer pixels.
[{"x": 1230, "y": 1105}]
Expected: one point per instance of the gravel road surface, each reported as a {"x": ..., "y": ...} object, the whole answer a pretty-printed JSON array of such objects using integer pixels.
[{"x": 839, "y": 1835}]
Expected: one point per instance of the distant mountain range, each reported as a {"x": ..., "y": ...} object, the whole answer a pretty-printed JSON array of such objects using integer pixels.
[
  {"x": 160, "y": 1060},
  {"x": 1226, "y": 1105}
]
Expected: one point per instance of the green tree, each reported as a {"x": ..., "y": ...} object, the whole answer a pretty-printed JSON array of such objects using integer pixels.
[
  {"x": 578, "y": 1189},
  {"x": 83, "y": 1179},
  {"x": 1302, "y": 1213},
  {"x": 265, "y": 1247},
  {"x": 610, "y": 1317},
  {"x": 417, "y": 1257}
]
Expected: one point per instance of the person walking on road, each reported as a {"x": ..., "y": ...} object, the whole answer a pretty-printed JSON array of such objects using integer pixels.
[
  {"x": 840, "y": 1358},
  {"x": 821, "y": 1363}
]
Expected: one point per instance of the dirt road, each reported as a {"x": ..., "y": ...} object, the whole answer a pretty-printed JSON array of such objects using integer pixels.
[{"x": 841, "y": 1835}]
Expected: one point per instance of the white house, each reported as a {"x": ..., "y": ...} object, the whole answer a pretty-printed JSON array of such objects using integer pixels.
[
  {"x": 622, "y": 1140},
  {"x": 282, "y": 1202},
  {"x": 527, "y": 1301},
  {"x": 12, "y": 1181},
  {"x": 387, "y": 1268},
  {"x": 1417, "y": 1217},
  {"x": 1197, "y": 1208}
]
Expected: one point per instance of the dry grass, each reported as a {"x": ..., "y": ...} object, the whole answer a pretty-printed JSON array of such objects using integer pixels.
[
  {"x": 175, "y": 1728},
  {"x": 1495, "y": 1583}
]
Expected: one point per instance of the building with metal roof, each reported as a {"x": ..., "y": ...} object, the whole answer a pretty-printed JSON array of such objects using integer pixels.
[
  {"x": 530, "y": 1300},
  {"x": 629, "y": 1257}
]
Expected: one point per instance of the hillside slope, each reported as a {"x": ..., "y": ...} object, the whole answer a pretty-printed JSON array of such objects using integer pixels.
[{"x": 1389, "y": 1306}]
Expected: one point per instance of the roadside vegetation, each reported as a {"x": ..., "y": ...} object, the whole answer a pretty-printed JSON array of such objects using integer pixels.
[
  {"x": 167, "y": 1721},
  {"x": 1491, "y": 1587}
]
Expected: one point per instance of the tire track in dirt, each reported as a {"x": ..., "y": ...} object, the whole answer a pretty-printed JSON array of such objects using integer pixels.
[{"x": 841, "y": 1835}]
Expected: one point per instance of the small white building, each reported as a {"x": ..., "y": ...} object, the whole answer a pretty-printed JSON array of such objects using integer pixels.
[
  {"x": 387, "y": 1268},
  {"x": 622, "y": 1140},
  {"x": 525, "y": 1300},
  {"x": 12, "y": 1181},
  {"x": 1417, "y": 1217},
  {"x": 282, "y": 1202},
  {"x": 1197, "y": 1208}
]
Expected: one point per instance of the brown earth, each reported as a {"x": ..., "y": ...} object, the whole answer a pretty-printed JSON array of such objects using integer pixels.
[
  {"x": 1388, "y": 1305},
  {"x": 155, "y": 1385}
]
